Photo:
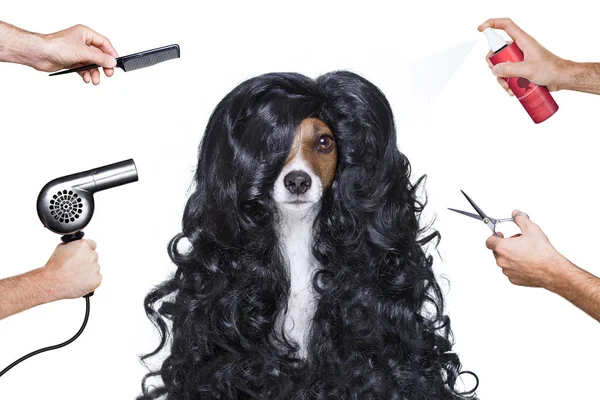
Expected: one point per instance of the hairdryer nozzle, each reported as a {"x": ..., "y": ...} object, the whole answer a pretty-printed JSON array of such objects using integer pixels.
[
  {"x": 65, "y": 205},
  {"x": 113, "y": 175}
]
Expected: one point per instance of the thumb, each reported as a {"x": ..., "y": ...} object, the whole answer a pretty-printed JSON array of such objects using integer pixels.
[
  {"x": 102, "y": 59},
  {"x": 521, "y": 220},
  {"x": 510, "y": 69}
]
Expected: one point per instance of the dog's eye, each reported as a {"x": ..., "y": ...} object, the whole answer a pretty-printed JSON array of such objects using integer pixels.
[{"x": 325, "y": 143}]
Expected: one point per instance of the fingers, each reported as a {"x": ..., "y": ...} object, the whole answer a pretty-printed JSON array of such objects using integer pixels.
[
  {"x": 505, "y": 86},
  {"x": 491, "y": 53},
  {"x": 487, "y": 58},
  {"x": 100, "y": 58},
  {"x": 492, "y": 242},
  {"x": 87, "y": 77},
  {"x": 503, "y": 83},
  {"x": 517, "y": 279},
  {"x": 500, "y": 80},
  {"x": 507, "y": 25},
  {"x": 500, "y": 234},
  {"x": 95, "y": 76},
  {"x": 510, "y": 69},
  {"x": 91, "y": 243},
  {"x": 97, "y": 50},
  {"x": 95, "y": 73},
  {"x": 98, "y": 280},
  {"x": 93, "y": 38},
  {"x": 501, "y": 261},
  {"x": 105, "y": 46}
]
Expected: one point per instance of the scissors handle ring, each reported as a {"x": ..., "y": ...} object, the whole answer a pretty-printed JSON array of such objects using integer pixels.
[
  {"x": 495, "y": 223},
  {"x": 519, "y": 213}
]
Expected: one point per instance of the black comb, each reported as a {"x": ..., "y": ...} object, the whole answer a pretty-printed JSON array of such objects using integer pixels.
[{"x": 136, "y": 61}]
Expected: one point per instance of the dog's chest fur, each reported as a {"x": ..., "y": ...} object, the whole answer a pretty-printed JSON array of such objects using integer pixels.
[{"x": 295, "y": 232}]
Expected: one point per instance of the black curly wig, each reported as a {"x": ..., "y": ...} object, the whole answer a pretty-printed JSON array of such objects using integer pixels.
[{"x": 379, "y": 330}]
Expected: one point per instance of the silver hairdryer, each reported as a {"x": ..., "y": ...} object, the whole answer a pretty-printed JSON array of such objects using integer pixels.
[{"x": 65, "y": 205}]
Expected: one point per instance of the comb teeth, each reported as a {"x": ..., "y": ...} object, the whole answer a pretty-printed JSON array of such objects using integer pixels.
[{"x": 148, "y": 60}]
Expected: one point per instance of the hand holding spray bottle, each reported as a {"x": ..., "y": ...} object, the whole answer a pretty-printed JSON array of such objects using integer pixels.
[{"x": 537, "y": 100}]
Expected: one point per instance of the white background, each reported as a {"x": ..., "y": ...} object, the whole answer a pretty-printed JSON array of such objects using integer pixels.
[{"x": 523, "y": 343}]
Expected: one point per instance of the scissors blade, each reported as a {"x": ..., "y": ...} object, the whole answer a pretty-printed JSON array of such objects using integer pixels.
[
  {"x": 479, "y": 211},
  {"x": 468, "y": 214}
]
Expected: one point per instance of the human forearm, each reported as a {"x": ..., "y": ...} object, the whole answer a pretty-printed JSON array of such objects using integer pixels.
[
  {"x": 578, "y": 286},
  {"x": 71, "y": 272},
  {"x": 22, "y": 292},
  {"x": 529, "y": 259},
  {"x": 581, "y": 77},
  {"x": 20, "y": 46}
]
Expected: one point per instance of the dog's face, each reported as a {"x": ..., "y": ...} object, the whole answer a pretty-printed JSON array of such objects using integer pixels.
[{"x": 309, "y": 168}]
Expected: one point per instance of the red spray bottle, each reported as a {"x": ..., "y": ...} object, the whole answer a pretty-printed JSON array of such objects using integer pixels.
[{"x": 536, "y": 100}]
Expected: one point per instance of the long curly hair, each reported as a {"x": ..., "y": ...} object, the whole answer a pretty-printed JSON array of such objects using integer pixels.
[{"x": 379, "y": 330}]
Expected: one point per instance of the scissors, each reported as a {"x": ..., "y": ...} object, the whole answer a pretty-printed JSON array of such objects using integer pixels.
[{"x": 489, "y": 221}]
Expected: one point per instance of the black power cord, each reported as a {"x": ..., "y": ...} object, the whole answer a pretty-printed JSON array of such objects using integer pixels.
[
  {"x": 472, "y": 391},
  {"x": 58, "y": 346}
]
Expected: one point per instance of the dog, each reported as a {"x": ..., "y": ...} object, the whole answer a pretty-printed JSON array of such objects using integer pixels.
[
  {"x": 308, "y": 171},
  {"x": 306, "y": 276}
]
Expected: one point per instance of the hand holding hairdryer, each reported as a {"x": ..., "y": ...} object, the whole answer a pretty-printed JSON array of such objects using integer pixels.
[
  {"x": 72, "y": 270},
  {"x": 65, "y": 205}
]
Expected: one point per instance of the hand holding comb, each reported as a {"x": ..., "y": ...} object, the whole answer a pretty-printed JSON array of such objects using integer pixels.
[{"x": 135, "y": 61}]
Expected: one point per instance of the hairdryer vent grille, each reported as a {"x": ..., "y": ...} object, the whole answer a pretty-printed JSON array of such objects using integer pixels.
[{"x": 65, "y": 206}]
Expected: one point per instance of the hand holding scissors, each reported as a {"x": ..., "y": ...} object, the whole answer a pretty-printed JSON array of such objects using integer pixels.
[{"x": 489, "y": 221}]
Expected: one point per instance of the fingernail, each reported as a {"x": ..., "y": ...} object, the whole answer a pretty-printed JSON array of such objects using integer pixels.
[
  {"x": 112, "y": 63},
  {"x": 496, "y": 70}
]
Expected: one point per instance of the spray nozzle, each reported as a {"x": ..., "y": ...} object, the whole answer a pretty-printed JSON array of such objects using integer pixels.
[{"x": 495, "y": 41}]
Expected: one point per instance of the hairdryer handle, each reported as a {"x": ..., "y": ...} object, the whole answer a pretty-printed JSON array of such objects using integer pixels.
[{"x": 70, "y": 238}]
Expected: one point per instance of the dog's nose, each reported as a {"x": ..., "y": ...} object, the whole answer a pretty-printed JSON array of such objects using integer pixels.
[{"x": 297, "y": 182}]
